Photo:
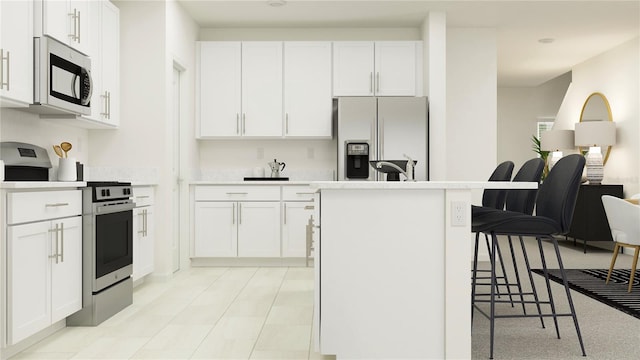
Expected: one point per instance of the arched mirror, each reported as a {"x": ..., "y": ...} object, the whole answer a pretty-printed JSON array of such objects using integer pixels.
[{"x": 596, "y": 108}]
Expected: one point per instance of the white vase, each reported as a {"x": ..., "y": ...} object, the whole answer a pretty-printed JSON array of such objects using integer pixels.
[{"x": 67, "y": 169}]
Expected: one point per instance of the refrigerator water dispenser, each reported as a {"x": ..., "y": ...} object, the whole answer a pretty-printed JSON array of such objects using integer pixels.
[{"x": 356, "y": 160}]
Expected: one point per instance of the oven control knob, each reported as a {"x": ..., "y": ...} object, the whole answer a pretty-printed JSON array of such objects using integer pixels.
[
  {"x": 104, "y": 192},
  {"x": 108, "y": 192}
]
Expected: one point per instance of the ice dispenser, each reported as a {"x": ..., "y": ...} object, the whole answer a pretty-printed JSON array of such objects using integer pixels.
[{"x": 356, "y": 160}]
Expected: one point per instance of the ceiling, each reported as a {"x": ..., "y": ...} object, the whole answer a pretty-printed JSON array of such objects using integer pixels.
[{"x": 581, "y": 29}]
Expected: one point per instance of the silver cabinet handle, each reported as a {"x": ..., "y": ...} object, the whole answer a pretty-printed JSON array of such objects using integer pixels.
[
  {"x": 141, "y": 216},
  {"x": 55, "y": 255},
  {"x": 285, "y": 213},
  {"x": 4, "y": 83},
  {"x": 371, "y": 82},
  {"x": 244, "y": 124},
  {"x": 108, "y": 105},
  {"x": 305, "y": 193},
  {"x": 61, "y": 242},
  {"x": 378, "y": 82},
  {"x": 239, "y": 213},
  {"x": 56, "y": 204},
  {"x": 237, "y": 193},
  {"x": 237, "y": 123},
  {"x": 79, "y": 27},
  {"x": 233, "y": 214},
  {"x": 286, "y": 123},
  {"x": 142, "y": 196},
  {"x": 309, "y": 207},
  {"x": 105, "y": 107},
  {"x": 74, "y": 17},
  {"x": 146, "y": 227}
]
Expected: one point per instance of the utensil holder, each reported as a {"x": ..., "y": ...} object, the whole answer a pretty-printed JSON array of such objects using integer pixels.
[{"x": 67, "y": 169}]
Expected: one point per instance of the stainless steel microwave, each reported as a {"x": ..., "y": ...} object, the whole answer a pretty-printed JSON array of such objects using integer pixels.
[{"x": 62, "y": 79}]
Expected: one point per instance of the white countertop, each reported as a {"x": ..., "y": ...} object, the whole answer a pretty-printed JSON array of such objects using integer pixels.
[
  {"x": 241, "y": 182},
  {"x": 41, "y": 184},
  {"x": 420, "y": 185}
]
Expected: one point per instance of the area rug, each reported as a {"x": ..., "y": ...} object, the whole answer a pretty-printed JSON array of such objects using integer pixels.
[{"x": 591, "y": 282}]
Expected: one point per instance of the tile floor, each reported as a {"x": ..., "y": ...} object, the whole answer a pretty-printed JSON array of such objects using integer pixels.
[
  {"x": 266, "y": 313},
  {"x": 201, "y": 313}
]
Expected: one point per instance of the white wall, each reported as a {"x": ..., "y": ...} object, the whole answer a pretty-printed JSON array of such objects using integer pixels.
[
  {"x": 471, "y": 103},
  {"x": 615, "y": 74},
  {"x": 519, "y": 110},
  {"x": 16, "y": 125}
]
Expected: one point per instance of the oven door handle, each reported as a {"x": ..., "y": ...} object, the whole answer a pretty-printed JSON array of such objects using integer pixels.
[{"x": 108, "y": 209}]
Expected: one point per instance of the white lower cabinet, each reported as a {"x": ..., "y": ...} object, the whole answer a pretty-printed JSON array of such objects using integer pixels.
[
  {"x": 266, "y": 221},
  {"x": 44, "y": 274},
  {"x": 295, "y": 218},
  {"x": 237, "y": 229},
  {"x": 143, "y": 233}
]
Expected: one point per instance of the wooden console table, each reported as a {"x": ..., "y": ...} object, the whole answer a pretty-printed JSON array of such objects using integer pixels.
[{"x": 589, "y": 219}]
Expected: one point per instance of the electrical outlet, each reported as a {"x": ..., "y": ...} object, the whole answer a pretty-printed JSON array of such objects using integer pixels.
[{"x": 459, "y": 213}]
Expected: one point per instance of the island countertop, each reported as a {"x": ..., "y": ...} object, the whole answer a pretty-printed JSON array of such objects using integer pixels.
[{"x": 419, "y": 185}]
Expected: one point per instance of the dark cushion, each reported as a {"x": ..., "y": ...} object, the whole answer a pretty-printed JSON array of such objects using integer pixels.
[{"x": 515, "y": 223}]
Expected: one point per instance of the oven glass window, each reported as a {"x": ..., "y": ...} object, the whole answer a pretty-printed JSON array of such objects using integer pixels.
[{"x": 114, "y": 241}]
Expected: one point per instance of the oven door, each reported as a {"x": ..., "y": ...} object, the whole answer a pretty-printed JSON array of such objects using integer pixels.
[{"x": 113, "y": 244}]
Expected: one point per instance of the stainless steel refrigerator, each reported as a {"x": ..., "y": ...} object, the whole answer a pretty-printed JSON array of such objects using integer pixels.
[{"x": 381, "y": 128}]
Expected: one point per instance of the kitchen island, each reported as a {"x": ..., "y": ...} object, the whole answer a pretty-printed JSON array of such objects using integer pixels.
[{"x": 392, "y": 267}]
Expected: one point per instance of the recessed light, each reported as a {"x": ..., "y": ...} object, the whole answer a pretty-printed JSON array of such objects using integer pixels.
[
  {"x": 546, "y": 40},
  {"x": 276, "y": 3}
]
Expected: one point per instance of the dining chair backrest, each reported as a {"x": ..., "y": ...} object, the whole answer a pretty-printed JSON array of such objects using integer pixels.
[
  {"x": 525, "y": 200},
  {"x": 496, "y": 198},
  {"x": 623, "y": 218},
  {"x": 559, "y": 190}
]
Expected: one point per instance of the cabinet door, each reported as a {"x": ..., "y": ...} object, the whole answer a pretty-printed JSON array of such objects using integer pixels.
[
  {"x": 56, "y": 21},
  {"x": 16, "y": 42},
  {"x": 259, "y": 229},
  {"x": 262, "y": 88},
  {"x": 353, "y": 68},
  {"x": 307, "y": 89},
  {"x": 28, "y": 280},
  {"x": 66, "y": 270},
  {"x": 294, "y": 228},
  {"x": 110, "y": 62},
  {"x": 143, "y": 246},
  {"x": 395, "y": 63},
  {"x": 219, "y": 89},
  {"x": 105, "y": 62},
  {"x": 215, "y": 229}
]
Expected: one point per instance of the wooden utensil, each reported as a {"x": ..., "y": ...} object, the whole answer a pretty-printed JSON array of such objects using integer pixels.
[
  {"x": 58, "y": 150},
  {"x": 65, "y": 146}
]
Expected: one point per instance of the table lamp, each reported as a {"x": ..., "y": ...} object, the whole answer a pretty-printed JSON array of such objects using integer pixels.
[
  {"x": 555, "y": 141},
  {"x": 595, "y": 134}
]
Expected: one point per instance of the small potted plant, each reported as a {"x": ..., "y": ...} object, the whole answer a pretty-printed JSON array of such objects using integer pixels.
[{"x": 542, "y": 154}]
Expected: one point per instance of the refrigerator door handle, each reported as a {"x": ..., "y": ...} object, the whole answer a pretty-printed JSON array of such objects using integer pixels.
[{"x": 381, "y": 138}]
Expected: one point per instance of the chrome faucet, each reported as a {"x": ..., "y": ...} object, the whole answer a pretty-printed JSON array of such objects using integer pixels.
[{"x": 380, "y": 164}]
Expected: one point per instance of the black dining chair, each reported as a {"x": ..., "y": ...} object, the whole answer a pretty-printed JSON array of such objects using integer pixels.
[
  {"x": 554, "y": 207},
  {"x": 523, "y": 201},
  {"x": 492, "y": 199}
]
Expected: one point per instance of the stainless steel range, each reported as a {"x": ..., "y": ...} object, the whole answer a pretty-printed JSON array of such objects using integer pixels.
[{"x": 107, "y": 259}]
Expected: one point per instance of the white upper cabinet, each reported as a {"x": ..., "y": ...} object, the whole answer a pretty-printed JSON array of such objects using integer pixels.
[
  {"x": 353, "y": 68},
  {"x": 219, "y": 90},
  {"x": 262, "y": 88},
  {"x": 382, "y": 68},
  {"x": 307, "y": 89},
  {"x": 16, "y": 49},
  {"x": 67, "y": 21},
  {"x": 105, "y": 63},
  {"x": 240, "y": 89}
]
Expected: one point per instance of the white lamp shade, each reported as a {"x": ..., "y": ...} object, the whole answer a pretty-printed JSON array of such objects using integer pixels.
[
  {"x": 554, "y": 140},
  {"x": 595, "y": 133}
]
